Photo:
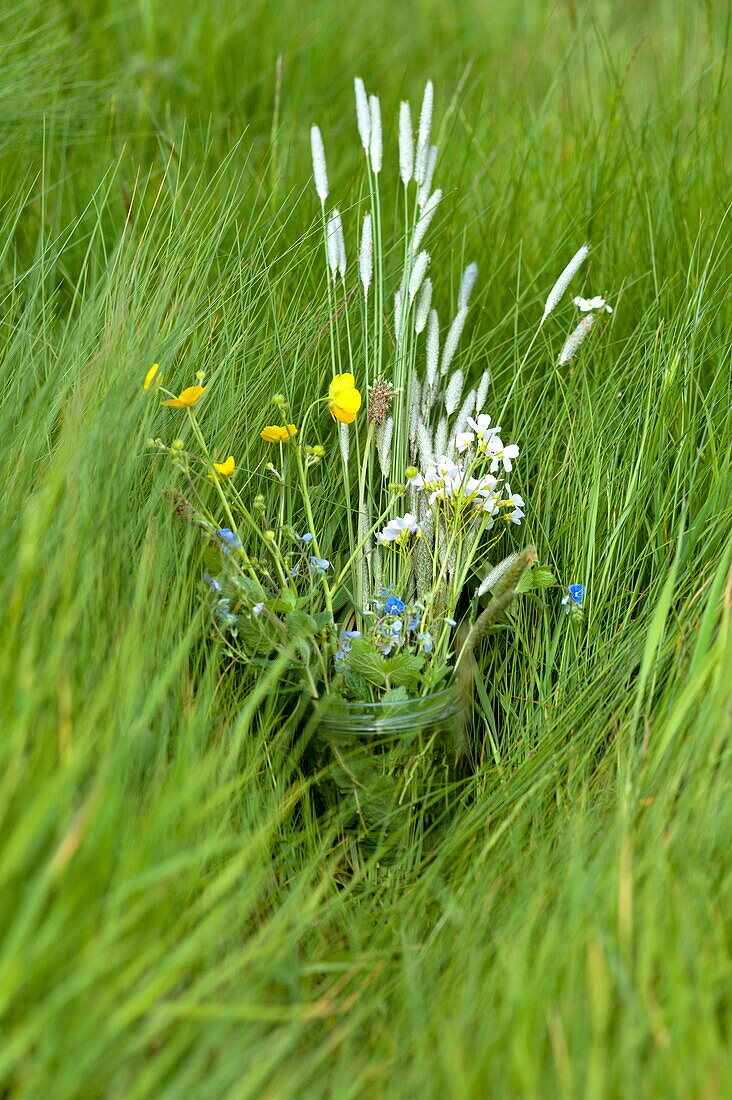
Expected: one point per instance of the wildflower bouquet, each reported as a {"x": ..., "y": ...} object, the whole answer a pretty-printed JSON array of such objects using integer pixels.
[{"x": 392, "y": 613}]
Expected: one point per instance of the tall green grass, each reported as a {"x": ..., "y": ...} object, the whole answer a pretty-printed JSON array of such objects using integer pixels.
[{"x": 174, "y": 920}]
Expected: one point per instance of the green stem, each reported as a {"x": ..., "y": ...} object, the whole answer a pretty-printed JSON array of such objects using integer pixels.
[{"x": 311, "y": 523}]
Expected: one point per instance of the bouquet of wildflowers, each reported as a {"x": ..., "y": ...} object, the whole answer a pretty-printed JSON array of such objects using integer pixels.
[{"x": 397, "y": 606}]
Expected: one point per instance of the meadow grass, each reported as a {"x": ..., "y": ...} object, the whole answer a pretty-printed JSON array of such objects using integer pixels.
[{"x": 174, "y": 919}]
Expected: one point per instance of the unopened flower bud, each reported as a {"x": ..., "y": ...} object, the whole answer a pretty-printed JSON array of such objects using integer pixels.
[
  {"x": 279, "y": 399},
  {"x": 269, "y": 536}
]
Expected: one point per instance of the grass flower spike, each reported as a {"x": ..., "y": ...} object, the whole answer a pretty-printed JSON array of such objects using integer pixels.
[
  {"x": 576, "y": 338},
  {"x": 344, "y": 400},
  {"x": 186, "y": 399},
  {"x": 278, "y": 433},
  {"x": 320, "y": 172},
  {"x": 363, "y": 114},
  {"x": 557, "y": 291}
]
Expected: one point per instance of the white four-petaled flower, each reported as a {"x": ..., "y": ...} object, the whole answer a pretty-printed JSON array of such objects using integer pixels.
[{"x": 587, "y": 304}]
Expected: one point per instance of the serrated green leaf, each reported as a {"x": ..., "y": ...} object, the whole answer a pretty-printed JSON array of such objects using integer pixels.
[
  {"x": 300, "y": 624},
  {"x": 395, "y": 695},
  {"x": 540, "y": 576},
  {"x": 403, "y": 669},
  {"x": 357, "y": 685},
  {"x": 365, "y": 661}
]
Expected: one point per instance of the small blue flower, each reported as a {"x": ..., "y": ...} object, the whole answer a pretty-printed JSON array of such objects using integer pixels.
[
  {"x": 574, "y": 599},
  {"x": 413, "y": 623},
  {"x": 385, "y": 591},
  {"x": 350, "y": 634},
  {"x": 257, "y": 610},
  {"x": 227, "y": 536},
  {"x": 450, "y": 622},
  {"x": 213, "y": 582},
  {"x": 295, "y": 570},
  {"x": 319, "y": 565},
  {"x": 426, "y": 640},
  {"x": 223, "y": 612},
  {"x": 393, "y": 605},
  {"x": 307, "y": 537}
]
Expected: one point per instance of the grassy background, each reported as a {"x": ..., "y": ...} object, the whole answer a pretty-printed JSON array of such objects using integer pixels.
[{"x": 172, "y": 923}]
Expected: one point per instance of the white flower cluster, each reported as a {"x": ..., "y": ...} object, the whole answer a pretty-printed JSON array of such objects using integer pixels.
[
  {"x": 488, "y": 442},
  {"x": 448, "y": 481},
  {"x": 400, "y": 530}
]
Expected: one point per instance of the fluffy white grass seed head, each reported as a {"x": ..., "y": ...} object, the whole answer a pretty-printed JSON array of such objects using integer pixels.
[
  {"x": 576, "y": 338},
  {"x": 344, "y": 442},
  {"x": 422, "y": 309},
  {"x": 386, "y": 434},
  {"x": 452, "y": 340},
  {"x": 557, "y": 291},
  {"x": 482, "y": 392},
  {"x": 419, "y": 270},
  {"x": 466, "y": 409},
  {"x": 363, "y": 114},
  {"x": 340, "y": 244},
  {"x": 398, "y": 313},
  {"x": 425, "y": 447},
  {"x": 416, "y": 401},
  {"x": 466, "y": 286},
  {"x": 406, "y": 143},
  {"x": 432, "y": 348},
  {"x": 320, "y": 172},
  {"x": 441, "y": 436},
  {"x": 429, "y": 172},
  {"x": 376, "y": 148},
  {"x": 331, "y": 244},
  {"x": 428, "y": 213},
  {"x": 453, "y": 393},
  {"x": 423, "y": 137},
  {"x": 495, "y": 574},
  {"x": 366, "y": 254}
]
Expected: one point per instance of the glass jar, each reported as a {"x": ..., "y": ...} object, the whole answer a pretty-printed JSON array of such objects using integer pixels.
[{"x": 385, "y": 768}]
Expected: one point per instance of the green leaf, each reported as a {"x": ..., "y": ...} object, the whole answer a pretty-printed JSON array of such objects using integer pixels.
[
  {"x": 395, "y": 695},
  {"x": 404, "y": 669},
  {"x": 540, "y": 576},
  {"x": 357, "y": 685},
  {"x": 300, "y": 624},
  {"x": 286, "y": 601},
  {"x": 365, "y": 661}
]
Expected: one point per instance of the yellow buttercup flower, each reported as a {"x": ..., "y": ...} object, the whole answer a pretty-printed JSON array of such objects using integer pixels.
[
  {"x": 186, "y": 399},
  {"x": 149, "y": 377},
  {"x": 344, "y": 399},
  {"x": 278, "y": 433},
  {"x": 225, "y": 469}
]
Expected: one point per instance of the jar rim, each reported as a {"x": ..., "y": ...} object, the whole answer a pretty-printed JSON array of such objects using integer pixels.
[
  {"x": 405, "y": 716},
  {"x": 449, "y": 692}
]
